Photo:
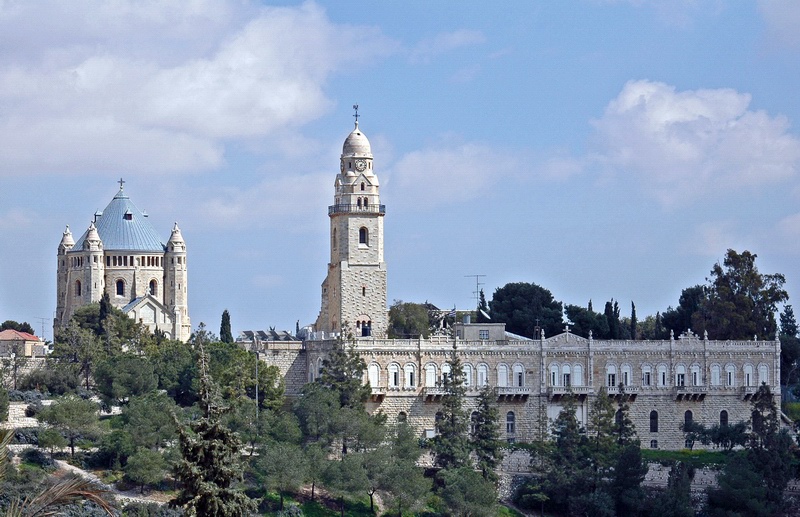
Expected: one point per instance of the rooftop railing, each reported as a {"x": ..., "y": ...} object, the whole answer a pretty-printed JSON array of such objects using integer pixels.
[{"x": 357, "y": 209}]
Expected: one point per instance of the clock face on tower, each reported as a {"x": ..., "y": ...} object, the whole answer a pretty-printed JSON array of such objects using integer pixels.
[{"x": 361, "y": 165}]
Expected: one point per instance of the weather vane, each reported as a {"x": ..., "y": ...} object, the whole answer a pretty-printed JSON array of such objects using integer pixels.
[{"x": 355, "y": 107}]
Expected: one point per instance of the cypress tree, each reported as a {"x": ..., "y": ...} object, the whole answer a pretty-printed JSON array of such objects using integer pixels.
[
  {"x": 633, "y": 320},
  {"x": 451, "y": 445},
  {"x": 486, "y": 437},
  {"x": 225, "y": 334}
]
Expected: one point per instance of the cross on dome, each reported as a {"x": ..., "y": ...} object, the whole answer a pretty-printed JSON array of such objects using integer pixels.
[
  {"x": 121, "y": 182},
  {"x": 355, "y": 107}
]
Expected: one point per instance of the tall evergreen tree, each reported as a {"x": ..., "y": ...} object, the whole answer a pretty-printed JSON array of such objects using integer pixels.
[
  {"x": 210, "y": 463},
  {"x": 451, "y": 445},
  {"x": 343, "y": 372},
  {"x": 634, "y": 321},
  {"x": 482, "y": 310},
  {"x": 225, "y": 334},
  {"x": 790, "y": 347},
  {"x": 486, "y": 437}
]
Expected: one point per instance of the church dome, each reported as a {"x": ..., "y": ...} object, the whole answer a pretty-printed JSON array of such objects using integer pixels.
[
  {"x": 356, "y": 144},
  {"x": 123, "y": 227}
]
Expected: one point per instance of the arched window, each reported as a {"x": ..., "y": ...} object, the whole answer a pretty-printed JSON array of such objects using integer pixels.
[
  {"x": 363, "y": 236},
  {"x": 402, "y": 417},
  {"x": 654, "y": 421},
  {"x": 554, "y": 374},
  {"x": 566, "y": 376},
  {"x": 697, "y": 378},
  {"x": 730, "y": 375},
  {"x": 577, "y": 375},
  {"x": 611, "y": 375},
  {"x": 394, "y": 375},
  {"x": 473, "y": 423},
  {"x": 152, "y": 288},
  {"x": 430, "y": 375},
  {"x": 763, "y": 374},
  {"x": 78, "y": 290},
  {"x": 362, "y": 185},
  {"x": 662, "y": 375},
  {"x": 748, "y": 375},
  {"x": 723, "y": 418},
  {"x": 120, "y": 288},
  {"x": 647, "y": 375},
  {"x": 510, "y": 423},
  {"x": 483, "y": 375},
  {"x": 716, "y": 376},
  {"x": 366, "y": 203},
  {"x": 626, "y": 374},
  {"x": 502, "y": 375},
  {"x": 519, "y": 375},
  {"x": 467, "y": 372},
  {"x": 363, "y": 291},
  {"x": 446, "y": 372},
  {"x": 680, "y": 375},
  {"x": 334, "y": 238},
  {"x": 374, "y": 371},
  {"x": 687, "y": 418},
  {"x": 438, "y": 419},
  {"x": 410, "y": 374}
]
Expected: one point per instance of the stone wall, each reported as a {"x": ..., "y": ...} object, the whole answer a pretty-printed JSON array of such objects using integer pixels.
[
  {"x": 30, "y": 364},
  {"x": 290, "y": 358},
  {"x": 529, "y": 377}
]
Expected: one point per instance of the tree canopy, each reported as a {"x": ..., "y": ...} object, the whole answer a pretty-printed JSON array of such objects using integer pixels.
[{"x": 523, "y": 306}]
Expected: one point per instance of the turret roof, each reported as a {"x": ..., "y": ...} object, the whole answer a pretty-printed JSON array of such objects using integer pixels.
[
  {"x": 357, "y": 144},
  {"x": 122, "y": 226}
]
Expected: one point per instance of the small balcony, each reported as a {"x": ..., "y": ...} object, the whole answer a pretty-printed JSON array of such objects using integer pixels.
[
  {"x": 628, "y": 391},
  {"x": 378, "y": 394},
  {"x": 691, "y": 393},
  {"x": 748, "y": 392},
  {"x": 433, "y": 393},
  {"x": 513, "y": 393},
  {"x": 357, "y": 209},
  {"x": 555, "y": 393}
]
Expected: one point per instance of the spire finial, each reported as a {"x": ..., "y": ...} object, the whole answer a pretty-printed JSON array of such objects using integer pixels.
[
  {"x": 121, "y": 182},
  {"x": 355, "y": 107}
]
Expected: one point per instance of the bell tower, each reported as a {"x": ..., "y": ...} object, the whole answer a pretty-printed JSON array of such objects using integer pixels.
[{"x": 354, "y": 292}]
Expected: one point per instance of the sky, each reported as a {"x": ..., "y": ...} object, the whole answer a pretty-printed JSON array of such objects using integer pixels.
[{"x": 600, "y": 149}]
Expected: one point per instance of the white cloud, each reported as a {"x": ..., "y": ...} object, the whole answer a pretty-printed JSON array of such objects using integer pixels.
[
  {"x": 683, "y": 145},
  {"x": 782, "y": 20},
  {"x": 91, "y": 97},
  {"x": 443, "y": 175},
  {"x": 280, "y": 201},
  {"x": 443, "y": 43}
]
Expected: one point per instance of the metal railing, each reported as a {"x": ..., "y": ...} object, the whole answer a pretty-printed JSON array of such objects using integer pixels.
[{"x": 356, "y": 209}]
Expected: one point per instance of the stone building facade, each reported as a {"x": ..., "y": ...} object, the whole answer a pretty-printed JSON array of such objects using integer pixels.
[
  {"x": 121, "y": 254},
  {"x": 667, "y": 382}
]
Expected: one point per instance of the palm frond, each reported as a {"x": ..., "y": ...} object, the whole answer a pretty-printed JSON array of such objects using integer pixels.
[
  {"x": 5, "y": 439},
  {"x": 67, "y": 491}
]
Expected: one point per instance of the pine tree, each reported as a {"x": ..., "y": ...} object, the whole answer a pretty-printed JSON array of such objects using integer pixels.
[
  {"x": 451, "y": 445},
  {"x": 343, "y": 372},
  {"x": 225, "y": 334},
  {"x": 483, "y": 309},
  {"x": 486, "y": 438},
  {"x": 210, "y": 461}
]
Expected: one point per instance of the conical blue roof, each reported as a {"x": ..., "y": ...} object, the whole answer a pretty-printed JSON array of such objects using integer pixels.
[{"x": 122, "y": 226}]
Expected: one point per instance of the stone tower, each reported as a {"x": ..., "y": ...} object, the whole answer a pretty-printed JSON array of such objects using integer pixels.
[
  {"x": 354, "y": 292},
  {"x": 122, "y": 255}
]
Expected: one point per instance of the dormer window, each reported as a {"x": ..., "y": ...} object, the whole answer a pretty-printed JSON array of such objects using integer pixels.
[
  {"x": 362, "y": 185},
  {"x": 128, "y": 216}
]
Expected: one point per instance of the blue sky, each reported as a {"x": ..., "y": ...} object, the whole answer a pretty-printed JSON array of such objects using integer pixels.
[{"x": 597, "y": 148}]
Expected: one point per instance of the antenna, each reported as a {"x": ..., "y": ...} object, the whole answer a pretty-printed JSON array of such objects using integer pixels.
[
  {"x": 42, "y": 320},
  {"x": 478, "y": 285}
]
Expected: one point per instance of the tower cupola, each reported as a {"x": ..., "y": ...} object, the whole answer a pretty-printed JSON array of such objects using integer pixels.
[{"x": 67, "y": 242}]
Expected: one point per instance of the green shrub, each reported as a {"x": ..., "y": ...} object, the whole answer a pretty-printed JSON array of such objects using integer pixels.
[{"x": 3, "y": 404}]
